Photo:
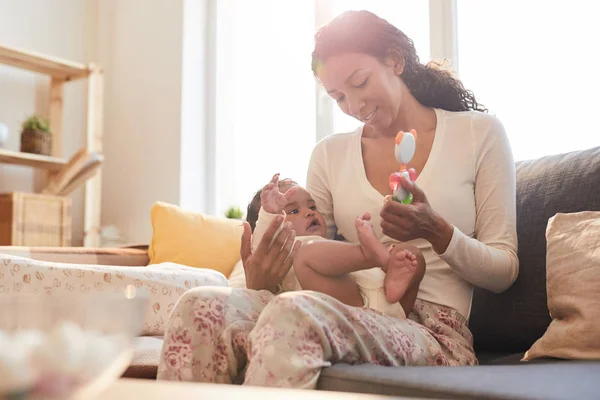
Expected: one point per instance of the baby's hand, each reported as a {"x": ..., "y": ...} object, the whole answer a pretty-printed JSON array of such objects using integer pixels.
[{"x": 272, "y": 200}]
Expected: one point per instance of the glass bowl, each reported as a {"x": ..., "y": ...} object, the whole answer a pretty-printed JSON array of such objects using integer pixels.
[{"x": 66, "y": 346}]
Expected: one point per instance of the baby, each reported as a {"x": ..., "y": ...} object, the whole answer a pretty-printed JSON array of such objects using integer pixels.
[{"x": 351, "y": 273}]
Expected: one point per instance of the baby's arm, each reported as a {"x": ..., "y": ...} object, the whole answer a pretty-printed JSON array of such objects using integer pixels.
[
  {"x": 262, "y": 224},
  {"x": 237, "y": 279},
  {"x": 272, "y": 205}
]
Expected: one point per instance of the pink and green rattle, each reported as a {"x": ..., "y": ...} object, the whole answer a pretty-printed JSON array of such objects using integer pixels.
[{"x": 404, "y": 150}]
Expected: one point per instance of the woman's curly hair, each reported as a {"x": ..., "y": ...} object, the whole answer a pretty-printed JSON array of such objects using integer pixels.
[{"x": 433, "y": 85}]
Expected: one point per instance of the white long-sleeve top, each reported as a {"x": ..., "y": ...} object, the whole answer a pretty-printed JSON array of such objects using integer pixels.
[{"x": 469, "y": 179}]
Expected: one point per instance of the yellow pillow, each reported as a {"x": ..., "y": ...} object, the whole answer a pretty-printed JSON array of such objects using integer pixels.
[{"x": 194, "y": 239}]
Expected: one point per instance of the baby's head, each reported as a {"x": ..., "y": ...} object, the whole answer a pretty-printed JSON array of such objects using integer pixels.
[{"x": 301, "y": 211}]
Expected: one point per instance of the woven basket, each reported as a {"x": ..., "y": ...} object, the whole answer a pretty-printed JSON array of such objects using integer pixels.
[
  {"x": 36, "y": 142},
  {"x": 31, "y": 219}
]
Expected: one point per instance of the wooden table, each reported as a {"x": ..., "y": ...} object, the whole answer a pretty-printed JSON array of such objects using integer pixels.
[{"x": 133, "y": 389}]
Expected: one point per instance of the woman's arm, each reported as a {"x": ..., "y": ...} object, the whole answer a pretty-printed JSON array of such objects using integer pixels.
[
  {"x": 489, "y": 260},
  {"x": 317, "y": 184},
  {"x": 267, "y": 253},
  {"x": 266, "y": 266}
]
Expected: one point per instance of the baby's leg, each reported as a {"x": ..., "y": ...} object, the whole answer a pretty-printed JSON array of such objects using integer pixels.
[
  {"x": 373, "y": 249},
  {"x": 323, "y": 266},
  {"x": 404, "y": 273},
  {"x": 333, "y": 258}
]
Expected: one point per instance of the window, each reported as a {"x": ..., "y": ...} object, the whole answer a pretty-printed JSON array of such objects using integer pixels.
[
  {"x": 265, "y": 95},
  {"x": 532, "y": 63},
  {"x": 411, "y": 17},
  {"x": 266, "y": 117}
]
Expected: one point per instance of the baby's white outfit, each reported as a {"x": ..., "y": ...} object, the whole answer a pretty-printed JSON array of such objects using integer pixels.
[{"x": 369, "y": 281}]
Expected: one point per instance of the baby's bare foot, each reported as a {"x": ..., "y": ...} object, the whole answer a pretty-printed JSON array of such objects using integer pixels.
[
  {"x": 401, "y": 270},
  {"x": 373, "y": 249}
]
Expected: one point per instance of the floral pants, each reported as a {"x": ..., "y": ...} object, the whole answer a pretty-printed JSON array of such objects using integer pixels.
[{"x": 227, "y": 335}]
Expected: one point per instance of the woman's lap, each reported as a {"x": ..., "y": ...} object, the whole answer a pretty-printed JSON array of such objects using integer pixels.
[
  {"x": 299, "y": 333},
  {"x": 206, "y": 336},
  {"x": 291, "y": 337}
]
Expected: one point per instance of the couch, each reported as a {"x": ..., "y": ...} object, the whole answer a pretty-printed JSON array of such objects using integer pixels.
[{"x": 504, "y": 325}]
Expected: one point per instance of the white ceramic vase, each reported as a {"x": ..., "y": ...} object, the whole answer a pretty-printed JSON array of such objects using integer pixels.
[{"x": 3, "y": 134}]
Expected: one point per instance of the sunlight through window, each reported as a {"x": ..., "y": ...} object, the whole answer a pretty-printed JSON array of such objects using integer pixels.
[
  {"x": 532, "y": 63},
  {"x": 265, "y": 95}
]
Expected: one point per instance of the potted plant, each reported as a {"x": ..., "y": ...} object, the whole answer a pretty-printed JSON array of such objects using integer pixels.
[
  {"x": 36, "y": 137},
  {"x": 234, "y": 213}
]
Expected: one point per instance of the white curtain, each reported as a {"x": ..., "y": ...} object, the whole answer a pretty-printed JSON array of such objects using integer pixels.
[{"x": 265, "y": 95}]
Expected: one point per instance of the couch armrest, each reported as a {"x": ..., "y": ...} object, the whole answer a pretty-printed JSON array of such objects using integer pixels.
[{"x": 133, "y": 257}]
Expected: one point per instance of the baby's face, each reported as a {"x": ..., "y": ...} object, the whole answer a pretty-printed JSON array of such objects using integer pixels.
[{"x": 302, "y": 212}]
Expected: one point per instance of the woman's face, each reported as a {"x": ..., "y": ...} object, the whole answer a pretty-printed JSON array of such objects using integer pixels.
[{"x": 364, "y": 87}]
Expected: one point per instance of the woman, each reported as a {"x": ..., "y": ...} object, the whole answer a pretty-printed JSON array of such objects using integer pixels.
[{"x": 465, "y": 227}]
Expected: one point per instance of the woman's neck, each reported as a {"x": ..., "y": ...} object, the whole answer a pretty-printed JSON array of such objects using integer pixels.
[{"x": 412, "y": 115}]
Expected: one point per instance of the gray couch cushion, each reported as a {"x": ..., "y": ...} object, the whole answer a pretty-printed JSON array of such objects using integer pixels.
[
  {"x": 512, "y": 321},
  {"x": 144, "y": 363},
  {"x": 511, "y": 359},
  {"x": 549, "y": 381}
]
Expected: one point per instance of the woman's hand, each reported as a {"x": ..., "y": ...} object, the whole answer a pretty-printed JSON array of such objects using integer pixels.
[
  {"x": 418, "y": 220},
  {"x": 272, "y": 200},
  {"x": 266, "y": 267}
]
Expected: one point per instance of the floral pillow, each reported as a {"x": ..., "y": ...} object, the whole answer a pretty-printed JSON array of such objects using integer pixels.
[{"x": 164, "y": 283}]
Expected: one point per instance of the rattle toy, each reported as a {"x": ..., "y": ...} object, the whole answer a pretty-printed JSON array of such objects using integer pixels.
[{"x": 404, "y": 150}]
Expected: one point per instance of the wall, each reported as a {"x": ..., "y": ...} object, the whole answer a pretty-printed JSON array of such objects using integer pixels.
[
  {"x": 140, "y": 49},
  {"x": 154, "y": 57},
  {"x": 153, "y": 54},
  {"x": 58, "y": 28}
]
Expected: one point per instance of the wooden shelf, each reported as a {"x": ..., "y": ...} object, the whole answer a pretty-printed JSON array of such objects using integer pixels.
[
  {"x": 60, "y": 73},
  {"x": 35, "y": 62},
  {"x": 32, "y": 160}
]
